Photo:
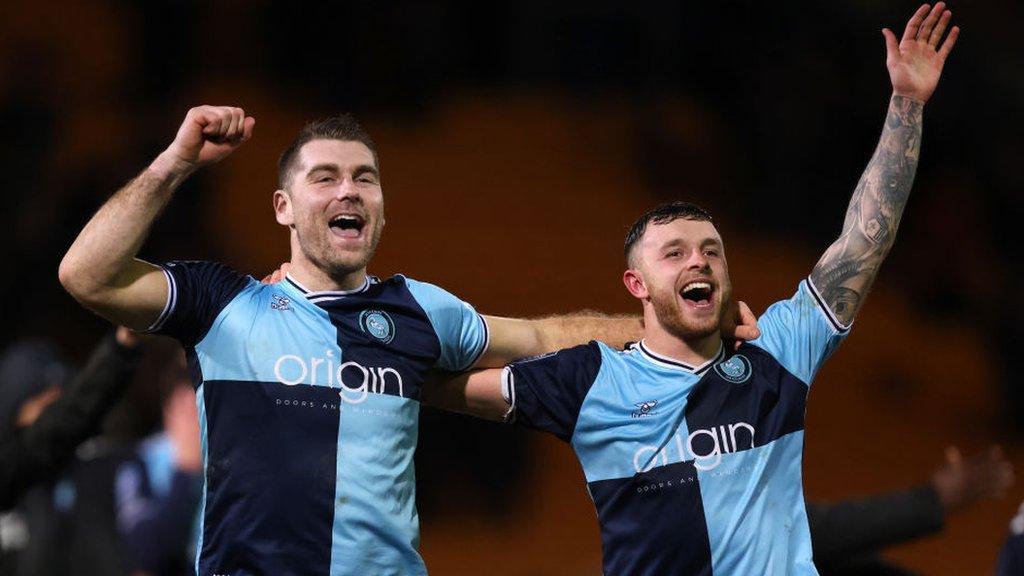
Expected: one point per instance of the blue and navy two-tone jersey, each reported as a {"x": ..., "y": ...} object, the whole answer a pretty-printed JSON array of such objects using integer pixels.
[
  {"x": 309, "y": 407},
  {"x": 692, "y": 469}
]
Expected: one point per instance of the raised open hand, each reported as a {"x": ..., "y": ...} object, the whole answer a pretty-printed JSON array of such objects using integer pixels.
[{"x": 915, "y": 62}]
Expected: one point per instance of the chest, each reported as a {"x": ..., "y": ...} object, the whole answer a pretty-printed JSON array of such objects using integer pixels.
[
  {"x": 358, "y": 347},
  {"x": 634, "y": 420}
]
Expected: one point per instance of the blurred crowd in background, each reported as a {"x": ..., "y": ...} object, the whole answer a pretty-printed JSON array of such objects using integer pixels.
[{"x": 518, "y": 140}]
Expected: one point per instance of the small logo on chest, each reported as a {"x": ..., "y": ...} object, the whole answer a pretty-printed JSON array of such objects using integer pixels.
[
  {"x": 644, "y": 409},
  {"x": 736, "y": 369},
  {"x": 377, "y": 324},
  {"x": 279, "y": 302}
]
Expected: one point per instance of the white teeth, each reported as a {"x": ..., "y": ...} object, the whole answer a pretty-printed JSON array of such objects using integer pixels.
[
  {"x": 348, "y": 217},
  {"x": 697, "y": 286}
]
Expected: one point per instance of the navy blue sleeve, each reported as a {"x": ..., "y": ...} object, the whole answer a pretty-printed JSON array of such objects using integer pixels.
[
  {"x": 197, "y": 291},
  {"x": 547, "y": 392}
]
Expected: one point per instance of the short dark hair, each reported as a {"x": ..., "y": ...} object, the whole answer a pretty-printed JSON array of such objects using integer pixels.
[
  {"x": 340, "y": 127},
  {"x": 663, "y": 214}
]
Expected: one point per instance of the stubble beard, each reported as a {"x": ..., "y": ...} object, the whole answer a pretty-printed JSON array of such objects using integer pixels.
[
  {"x": 669, "y": 312},
  {"x": 336, "y": 264}
]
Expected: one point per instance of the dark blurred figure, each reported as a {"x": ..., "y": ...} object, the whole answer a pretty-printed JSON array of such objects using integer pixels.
[
  {"x": 848, "y": 535},
  {"x": 158, "y": 491},
  {"x": 42, "y": 424},
  {"x": 1011, "y": 557}
]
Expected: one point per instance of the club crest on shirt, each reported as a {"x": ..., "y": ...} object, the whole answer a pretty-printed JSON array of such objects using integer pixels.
[
  {"x": 736, "y": 369},
  {"x": 377, "y": 324},
  {"x": 644, "y": 409}
]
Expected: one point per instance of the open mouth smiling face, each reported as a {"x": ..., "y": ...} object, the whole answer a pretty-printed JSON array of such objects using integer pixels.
[
  {"x": 347, "y": 226},
  {"x": 698, "y": 294}
]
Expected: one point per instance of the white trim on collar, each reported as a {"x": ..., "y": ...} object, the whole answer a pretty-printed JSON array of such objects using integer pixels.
[
  {"x": 328, "y": 294},
  {"x": 667, "y": 362}
]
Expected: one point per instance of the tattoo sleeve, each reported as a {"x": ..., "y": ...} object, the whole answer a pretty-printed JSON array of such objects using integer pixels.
[{"x": 846, "y": 270}]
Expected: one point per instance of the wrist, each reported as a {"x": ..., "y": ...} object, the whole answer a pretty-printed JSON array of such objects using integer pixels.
[
  {"x": 170, "y": 168},
  {"x": 908, "y": 97}
]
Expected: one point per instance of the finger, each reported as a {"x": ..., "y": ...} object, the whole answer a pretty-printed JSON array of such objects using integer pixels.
[
  {"x": 210, "y": 120},
  {"x": 892, "y": 47},
  {"x": 234, "y": 131},
  {"x": 747, "y": 317},
  {"x": 747, "y": 333},
  {"x": 225, "y": 122},
  {"x": 247, "y": 125},
  {"x": 936, "y": 35},
  {"x": 910, "y": 32},
  {"x": 285, "y": 268},
  {"x": 930, "y": 21},
  {"x": 240, "y": 132},
  {"x": 947, "y": 46},
  {"x": 953, "y": 455}
]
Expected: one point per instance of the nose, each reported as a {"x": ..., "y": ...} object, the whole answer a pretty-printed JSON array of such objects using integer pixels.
[
  {"x": 347, "y": 190},
  {"x": 697, "y": 261}
]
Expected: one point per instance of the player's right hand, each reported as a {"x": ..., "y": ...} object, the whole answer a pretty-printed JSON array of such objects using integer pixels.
[{"x": 208, "y": 135}]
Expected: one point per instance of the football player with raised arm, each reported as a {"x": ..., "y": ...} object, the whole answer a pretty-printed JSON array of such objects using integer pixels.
[
  {"x": 308, "y": 389},
  {"x": 692, "y": 451}
]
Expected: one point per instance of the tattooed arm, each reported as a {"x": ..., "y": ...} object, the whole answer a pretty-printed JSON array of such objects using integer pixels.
[{"x": 846, "y": 271}]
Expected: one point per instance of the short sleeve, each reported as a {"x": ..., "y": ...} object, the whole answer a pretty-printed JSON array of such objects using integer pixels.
[
  {"x": 197, "y": 291},
  {"x": 801, "y": 333},
  {"x": 546, "y": 392},
  {"x": 461, "y": 331}
]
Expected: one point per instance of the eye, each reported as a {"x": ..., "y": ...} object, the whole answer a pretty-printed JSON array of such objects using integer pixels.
[
  {"x": 366, "y": 180},
  {"x": 323, "y": 179},
  {"x": 673, "y": 254},
  {"x": 711, "y": 253}
]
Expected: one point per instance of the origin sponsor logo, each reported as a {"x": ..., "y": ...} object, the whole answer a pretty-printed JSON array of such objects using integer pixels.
[
  {"x": 354, "y": 381},
  {"x": 704, "y": 447}
]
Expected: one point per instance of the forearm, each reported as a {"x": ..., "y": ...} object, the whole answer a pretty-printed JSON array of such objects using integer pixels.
[
  {"x": 477, "y": 393},
  {"x": 102, "y": 257},
  {"x": 843, "y": 529},
  {"x": 846, "y": 271},
  {"x": 78, "y": 414},
  {"x": 44, "y": 447},
  {"x": 566, "y": 331}
]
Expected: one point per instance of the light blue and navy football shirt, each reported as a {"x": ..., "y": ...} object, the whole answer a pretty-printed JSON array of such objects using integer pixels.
[
  {"x": 694, "y": 470},
  {"x": 309, "y": 407}
]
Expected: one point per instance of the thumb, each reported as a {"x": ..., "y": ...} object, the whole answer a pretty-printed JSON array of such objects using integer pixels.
[{"x": 892, "y": 46}]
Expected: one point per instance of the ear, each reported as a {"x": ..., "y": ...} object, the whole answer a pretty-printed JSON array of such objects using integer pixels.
[
  {"x": 283, "y": 208},
  {"x": 634, "y": 282}
]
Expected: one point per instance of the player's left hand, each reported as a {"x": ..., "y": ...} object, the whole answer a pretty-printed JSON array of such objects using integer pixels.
[
  {"x": 740, "y": 324},
  {"x": 914, "y": 63},
  {"x": 277, "y": 275}
]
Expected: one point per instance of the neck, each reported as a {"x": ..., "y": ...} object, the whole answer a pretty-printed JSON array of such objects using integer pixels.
[
  {"x": 317, "y": 279},
  {"x": 692, "y": 351}
]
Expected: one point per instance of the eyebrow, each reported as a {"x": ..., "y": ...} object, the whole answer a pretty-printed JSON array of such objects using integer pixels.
[
  {"x": 365, "y": 169},
  {"x": 702, "y": 244},
  {"x": 334, "y": 169}
]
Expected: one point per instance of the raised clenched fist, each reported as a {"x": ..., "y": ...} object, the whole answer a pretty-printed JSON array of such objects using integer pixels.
[{"x": 208, "y": 135}]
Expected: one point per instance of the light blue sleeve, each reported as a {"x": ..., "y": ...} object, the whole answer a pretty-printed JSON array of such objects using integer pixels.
[
  {"x": 801, "y": 333},
  {"x": 461, "y": 331}
]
